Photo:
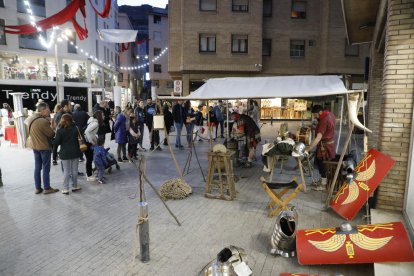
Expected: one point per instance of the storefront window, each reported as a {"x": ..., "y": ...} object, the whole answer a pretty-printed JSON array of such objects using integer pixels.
[
  {"x": 27, "y": 67},
  {"x": 74, "y": 71},
  {"x": 96, "y": 75}
]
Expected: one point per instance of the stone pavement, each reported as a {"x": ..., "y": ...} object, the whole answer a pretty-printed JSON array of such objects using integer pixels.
[{"x": 93, "y": 232}]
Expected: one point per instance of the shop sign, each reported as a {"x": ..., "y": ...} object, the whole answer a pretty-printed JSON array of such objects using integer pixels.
[
  {"x": 78, "y": 95},
  {"x": 32, "y": 94}
]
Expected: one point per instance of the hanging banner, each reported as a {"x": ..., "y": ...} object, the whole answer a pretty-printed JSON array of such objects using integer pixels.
[
  {"x": 369, "y": 173},
  {"x": 117, "y": 35},
  {"x": 32, "y": 94}
]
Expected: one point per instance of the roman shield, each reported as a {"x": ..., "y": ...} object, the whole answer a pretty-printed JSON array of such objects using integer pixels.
[
  {"x": 372, "y": 243},
  {"x": 369, "y": 173}
]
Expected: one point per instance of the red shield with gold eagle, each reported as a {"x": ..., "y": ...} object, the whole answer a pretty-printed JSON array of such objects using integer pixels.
[
  {"x": 372, "y": 243},
  {"x": 369, "y": 173}
]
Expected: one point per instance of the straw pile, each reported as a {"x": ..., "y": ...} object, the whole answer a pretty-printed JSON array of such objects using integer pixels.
[{"x": 175, "y": 189}]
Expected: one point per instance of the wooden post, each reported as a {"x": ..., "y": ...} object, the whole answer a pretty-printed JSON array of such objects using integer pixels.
[{"x": 143, "y": 227}]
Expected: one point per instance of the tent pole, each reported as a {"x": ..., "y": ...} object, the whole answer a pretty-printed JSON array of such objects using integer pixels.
[
  {"x": 210, "y": 132},
  {"x": 227, "y": 118},
  {"x": 340, "y": 124}
]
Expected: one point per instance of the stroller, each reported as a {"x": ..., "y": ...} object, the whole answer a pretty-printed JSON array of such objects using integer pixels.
[{"x": 110, "y": 158}]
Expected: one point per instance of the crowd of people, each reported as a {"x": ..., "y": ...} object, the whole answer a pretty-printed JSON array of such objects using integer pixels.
[{"x": 61, "y": 135}]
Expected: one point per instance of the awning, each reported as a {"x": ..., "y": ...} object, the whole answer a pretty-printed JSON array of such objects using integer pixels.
[{"x": 267, "y": 87}]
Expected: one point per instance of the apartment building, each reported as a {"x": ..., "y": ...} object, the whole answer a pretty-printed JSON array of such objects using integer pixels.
[
  {"x": 85, "y": 68},
  {"x": 210, "y": 38},
  {"x": 161, "y": 83},
  {"x": 128, "y": 79}
]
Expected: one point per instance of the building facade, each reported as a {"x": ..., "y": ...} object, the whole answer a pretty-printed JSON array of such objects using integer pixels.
[
  {"x": 72, "y": 69},
  {"x": 259, "y": 38},
  {"x": 128, "y": 79},
  {"x": 161, "y": 83},
  {"x": 390, "y": 34}
]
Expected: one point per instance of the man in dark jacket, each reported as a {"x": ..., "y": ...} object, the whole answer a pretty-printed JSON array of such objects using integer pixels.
[
  {"x": 140, "y": 116},
  {"x": 179, "y": 119},
  {"x": 80, "y": 117},
  {"x": 150, "y": 110}
]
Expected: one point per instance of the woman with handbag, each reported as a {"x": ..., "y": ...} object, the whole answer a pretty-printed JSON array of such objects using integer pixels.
[
  {"x": 91, "y": 136},
  {"x": 67, "y": 137}
]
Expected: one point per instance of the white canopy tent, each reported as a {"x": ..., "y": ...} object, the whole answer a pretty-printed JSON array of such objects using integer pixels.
[{"x": 268, "y": 87}]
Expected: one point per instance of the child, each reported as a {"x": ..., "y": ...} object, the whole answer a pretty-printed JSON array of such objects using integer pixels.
[
  {"x": 99, "y": 157},
  {"x": 133, "y": 137}
]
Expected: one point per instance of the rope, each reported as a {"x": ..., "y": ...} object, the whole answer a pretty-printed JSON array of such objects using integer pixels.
[{"x": 142, "y": 220}]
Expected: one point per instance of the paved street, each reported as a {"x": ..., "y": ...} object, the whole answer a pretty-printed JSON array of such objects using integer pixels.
[{"x": 93, "y": 232}]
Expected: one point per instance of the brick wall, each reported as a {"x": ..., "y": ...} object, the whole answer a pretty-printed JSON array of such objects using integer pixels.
[
  {"x": 397, "y": 100},
  {"x": 375, "y": 96}
]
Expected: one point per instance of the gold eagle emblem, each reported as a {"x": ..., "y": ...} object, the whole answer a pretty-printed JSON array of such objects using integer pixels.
[
  {"x": 353, "y": 192},
  {"x": 337, "y": 241}
]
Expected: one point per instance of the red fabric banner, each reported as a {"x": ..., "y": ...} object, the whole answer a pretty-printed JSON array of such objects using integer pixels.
[
  {"x": 105, "y": 12},
  {"x": 67, "y": 14},
  {"x": 125, "y": 47},
  {"x": 372, "y": 243}
]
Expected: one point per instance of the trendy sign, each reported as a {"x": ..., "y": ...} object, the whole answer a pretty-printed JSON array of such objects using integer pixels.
[
  {"x": 78, "y": 95},
  {"x": 32, "y": 94}
]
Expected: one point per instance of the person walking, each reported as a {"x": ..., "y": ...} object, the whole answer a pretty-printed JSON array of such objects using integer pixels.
[
  {"x": 179, "y": 119},
  {"x": 219, "y": 117},
  {"x": 67, "y": 138},
  {"x": 189, "y": 121},
  {"x": 168, "y": 121},
  {"x": 91, "y": 136},
  {"x": 6, "y": 116},
  {"x": 41, "y": 133},
  {"x": 150, "y": 110},
  {"x": 212, "y": 123},
  {"x": 198, "y": 123},
  {"x": 254, "y": 111},
  {"x": 140, "y": 117}
]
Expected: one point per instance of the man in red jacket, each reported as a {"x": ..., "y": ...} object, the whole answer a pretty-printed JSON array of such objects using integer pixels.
[{"x": 324, "y": 141}]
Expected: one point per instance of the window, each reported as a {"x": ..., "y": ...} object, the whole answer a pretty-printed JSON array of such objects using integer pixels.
[
  {"x": 157, "y": 68},
  {"x": 157, "y": 19},
  {"x": 96, "y": 22},
  {"x": 105, "y": 60},
  {"x": 351, "y": 50},
  {"x": 240, "y": 5},
  {"x": 208, "y": 5},
  {"x": 267, "y": 8},
  {"x": 72, "y": 44},
  {"x": 207, "y": 43},
  {"x": 31, "y": 41},
  {"x": 170, "y": 84},
  {"x": 107, "y": 54},
  {"x": 157, "y": 36},
  {"x": 37, "y": 6},
  {"x": 2, "y": 3},
  {"x": 297, "y": 48},
  {"x": 2, "y": 33},
  {"x": 298, "y": 9},
  {"x": 112, "y": 56},
  {"x": 267, "y": 47},
  {"x": 239, "y": 43},
  {"x": 120, "y": 77},
  {"x": 157, "y": 51},
  {"x": 155, "y": 83}
]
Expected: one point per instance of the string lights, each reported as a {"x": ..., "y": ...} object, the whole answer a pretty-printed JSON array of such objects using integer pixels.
[
  {"x": 64, "y": 35},
  {"x": 147, "y": 63}
]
